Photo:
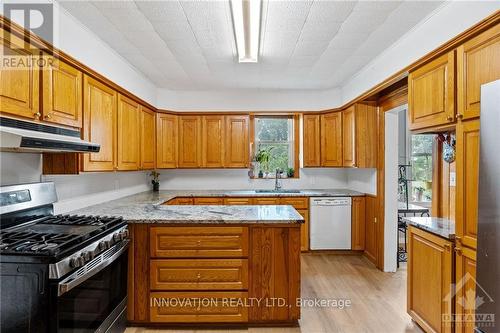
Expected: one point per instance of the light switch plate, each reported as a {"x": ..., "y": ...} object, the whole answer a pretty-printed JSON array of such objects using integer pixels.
[{"x": 453, "y": 178}]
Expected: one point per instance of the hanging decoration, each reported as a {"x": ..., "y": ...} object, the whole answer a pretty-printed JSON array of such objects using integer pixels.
[{"x": 448, "y": 140}]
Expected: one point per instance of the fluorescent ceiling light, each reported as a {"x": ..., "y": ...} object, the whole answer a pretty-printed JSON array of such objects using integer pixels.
[{"x": 246, "y": 22}]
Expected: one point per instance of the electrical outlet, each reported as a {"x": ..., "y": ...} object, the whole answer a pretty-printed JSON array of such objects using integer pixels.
[{"x": 453, "y": 178}]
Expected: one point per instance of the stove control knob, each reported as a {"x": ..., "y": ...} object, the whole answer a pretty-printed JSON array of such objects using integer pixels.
[
  {"x": 104, "y": 245},
  {"x": 125, "y": 233},
  {"x": 87, "y": 256},
  {"x": 76, "y": 262},
  {"x": 117, "y": 237}
]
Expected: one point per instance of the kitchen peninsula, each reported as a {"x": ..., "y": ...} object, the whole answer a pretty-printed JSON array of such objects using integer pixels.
[{"x": 236, "y": 264}]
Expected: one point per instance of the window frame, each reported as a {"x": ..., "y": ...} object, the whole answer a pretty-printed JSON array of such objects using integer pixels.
[{"x": 296, "y": 137}]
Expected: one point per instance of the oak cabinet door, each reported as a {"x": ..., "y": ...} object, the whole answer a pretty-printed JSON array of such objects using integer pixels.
[
  {"x": 19, "y": 85},
  {"x": 465, "y": 296},
  {"x": 213, "y": 141},
  {"x": 312, "y": 157},
  {"x": 477, "y": 64},
  {"x": 431, "y": 93},
  {"x": 331, "y": 139},
  {"x": 349, "y": 137},
  {"x": 166, "y": 140},
  {"x": 358, "y": 223},
  {"x": 99, "y": 124},
  {"x": 304, "y": 230},
  {"x": 62, "y": 93},
  {"x": 189, "y": 142},
  {"x": 430, "y": 276},
  {"x": 128, "y": 123},
  {"x": 467, "y": 182},
  {"x": 148, "y": 143},
  {"x": 237, "y": 142}
]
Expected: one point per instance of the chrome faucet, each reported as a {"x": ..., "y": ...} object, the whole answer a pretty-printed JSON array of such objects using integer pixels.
[{"x": 277, "y": 184}]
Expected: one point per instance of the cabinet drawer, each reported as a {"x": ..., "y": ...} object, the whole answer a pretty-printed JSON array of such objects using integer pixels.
[
  {"x": 237, "y": 201},
  {"x": 199, "y": 242},
  {"x": 199, "y": 274},
  {"x": 209, "y": 201},
  {"x": 184, "y": 201},
  {"x": 297, "y": 203},
  {"x": 198, "y": 307},
  {"x": 266, "y": 201}
]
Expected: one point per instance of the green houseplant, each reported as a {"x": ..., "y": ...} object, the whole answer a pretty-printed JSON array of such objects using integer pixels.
[
  {"x": 263, "y": 156},
  {"x": 290, "y": 172}
]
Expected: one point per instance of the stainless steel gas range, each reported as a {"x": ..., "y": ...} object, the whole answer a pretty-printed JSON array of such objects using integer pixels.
[{"x": 59, "y": 273}]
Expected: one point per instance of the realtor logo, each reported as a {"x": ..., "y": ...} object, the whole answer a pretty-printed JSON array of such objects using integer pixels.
[
  {"x": 469, "y": 297},
  {"x": 37, "y": 17}
]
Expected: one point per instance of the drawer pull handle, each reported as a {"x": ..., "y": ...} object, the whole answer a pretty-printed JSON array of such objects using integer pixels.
[
  {"x": 198, "y": 243},
  {"x": 198, "y": 276}
]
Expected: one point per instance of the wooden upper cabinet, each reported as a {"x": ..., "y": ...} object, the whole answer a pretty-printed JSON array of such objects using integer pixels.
[
  {"x": 166, "y": 140},
  {"x": 431, "y": 93},
  {"x": 129, "y": 136},
  {"x": 331, "y": 139},
  {"x": 99, "y": 124},
  {"x": 189, "y": 142},
  {"x": 430, "y": 276},
  {"x": 237, "y": 142},
  {"x": 312, "y": 141},
  {"x": 366, "y": 135},
  {"x": 477, "y": 64},
  {"x": 213, "y": 141},
  {"x": 19, "y": 87},
  {"x": 148, "y": 138},
  {"x": 467, "y": 182},
  {"x": 349, "y": 137},
  {"x": 62, "y": 93}
]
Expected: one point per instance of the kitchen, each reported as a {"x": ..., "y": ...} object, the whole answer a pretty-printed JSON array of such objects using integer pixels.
[{"x": 206, "y": 172}]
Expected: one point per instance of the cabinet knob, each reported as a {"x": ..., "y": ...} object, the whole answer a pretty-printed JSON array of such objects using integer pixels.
[
  {"x": 48, "y": 116},
  {"x": 458, "y": 251},
  {"x": 37, "y": 115},
  {"x": 460, "y": 116},
  {"x": 449, "y": 118},
  {"x": 198, "y": 276},
  {"x": 447, "y": 247}
]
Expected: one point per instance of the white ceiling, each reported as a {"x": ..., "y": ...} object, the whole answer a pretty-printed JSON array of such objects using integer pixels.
[{"x": 305, "y": 44}]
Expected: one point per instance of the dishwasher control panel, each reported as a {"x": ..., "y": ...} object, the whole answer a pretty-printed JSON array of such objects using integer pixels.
[{"x": 331, "y": 201}]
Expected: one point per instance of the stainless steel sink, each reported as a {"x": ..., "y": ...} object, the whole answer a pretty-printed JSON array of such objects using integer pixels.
[{"x": 277, "y": 191}]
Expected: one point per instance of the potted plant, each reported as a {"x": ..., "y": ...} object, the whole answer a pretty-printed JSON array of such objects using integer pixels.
[
  {"x": 419, "y": 191},
  {"x": 155, "y": 180},
  {"x": 263, "y": 156},
  {"x": 290, "y": 172}
]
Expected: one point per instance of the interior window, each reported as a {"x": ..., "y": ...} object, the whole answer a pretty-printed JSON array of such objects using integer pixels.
[
  {"x": 275, "y": 136},
  {"x": 420, "y": 188}
]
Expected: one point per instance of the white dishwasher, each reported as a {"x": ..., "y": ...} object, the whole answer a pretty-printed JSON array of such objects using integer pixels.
[{"x": 331, "y": 223}]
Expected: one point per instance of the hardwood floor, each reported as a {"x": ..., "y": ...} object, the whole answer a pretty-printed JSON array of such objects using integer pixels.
[{"x": 378, "y": 299}]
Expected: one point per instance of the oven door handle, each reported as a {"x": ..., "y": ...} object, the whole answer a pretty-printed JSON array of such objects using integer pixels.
[{"x": 92, "y": 267}]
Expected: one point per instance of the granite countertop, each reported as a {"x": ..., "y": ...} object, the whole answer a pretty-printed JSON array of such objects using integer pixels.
[
  {"x": 146, "y": 207},
  {"x": 436, "y": 225}
]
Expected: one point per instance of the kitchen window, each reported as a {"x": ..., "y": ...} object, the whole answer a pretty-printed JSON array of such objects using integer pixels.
[
  {"x": 421, "y": 160},
  {"x": 275, "y": 146}
]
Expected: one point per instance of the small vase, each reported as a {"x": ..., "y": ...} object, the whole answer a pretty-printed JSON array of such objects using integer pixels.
[
  {"x": 156, "y": 186},
  {"x": 261, "y": 174}
]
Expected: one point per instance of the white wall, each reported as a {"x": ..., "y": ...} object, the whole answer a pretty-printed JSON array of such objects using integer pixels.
[
  {"x": 73, "y": 191},
  {"x": 362, "y": 180},
  {"x": 248, "y": 100},
  {"x": 442, "y": 25},
  {"x": 229, "y": 179},
  {"x": 76, "y": 40}
]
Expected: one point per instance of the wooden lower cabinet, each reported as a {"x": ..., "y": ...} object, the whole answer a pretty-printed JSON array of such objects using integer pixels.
[
  {"x": 198, "y": 307},
  {"x": 430, "y": 281},
  {"x": 175, "y": 279},
  {"x": 465, "y": 295},
  {"x": 358, "y": 220}
]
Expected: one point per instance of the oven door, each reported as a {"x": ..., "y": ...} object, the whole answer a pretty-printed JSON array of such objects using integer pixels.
[{"x": 93, "y": 299}]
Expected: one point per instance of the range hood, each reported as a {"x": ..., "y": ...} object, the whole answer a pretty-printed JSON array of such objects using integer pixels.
[{"x": 24, "y": 136}]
